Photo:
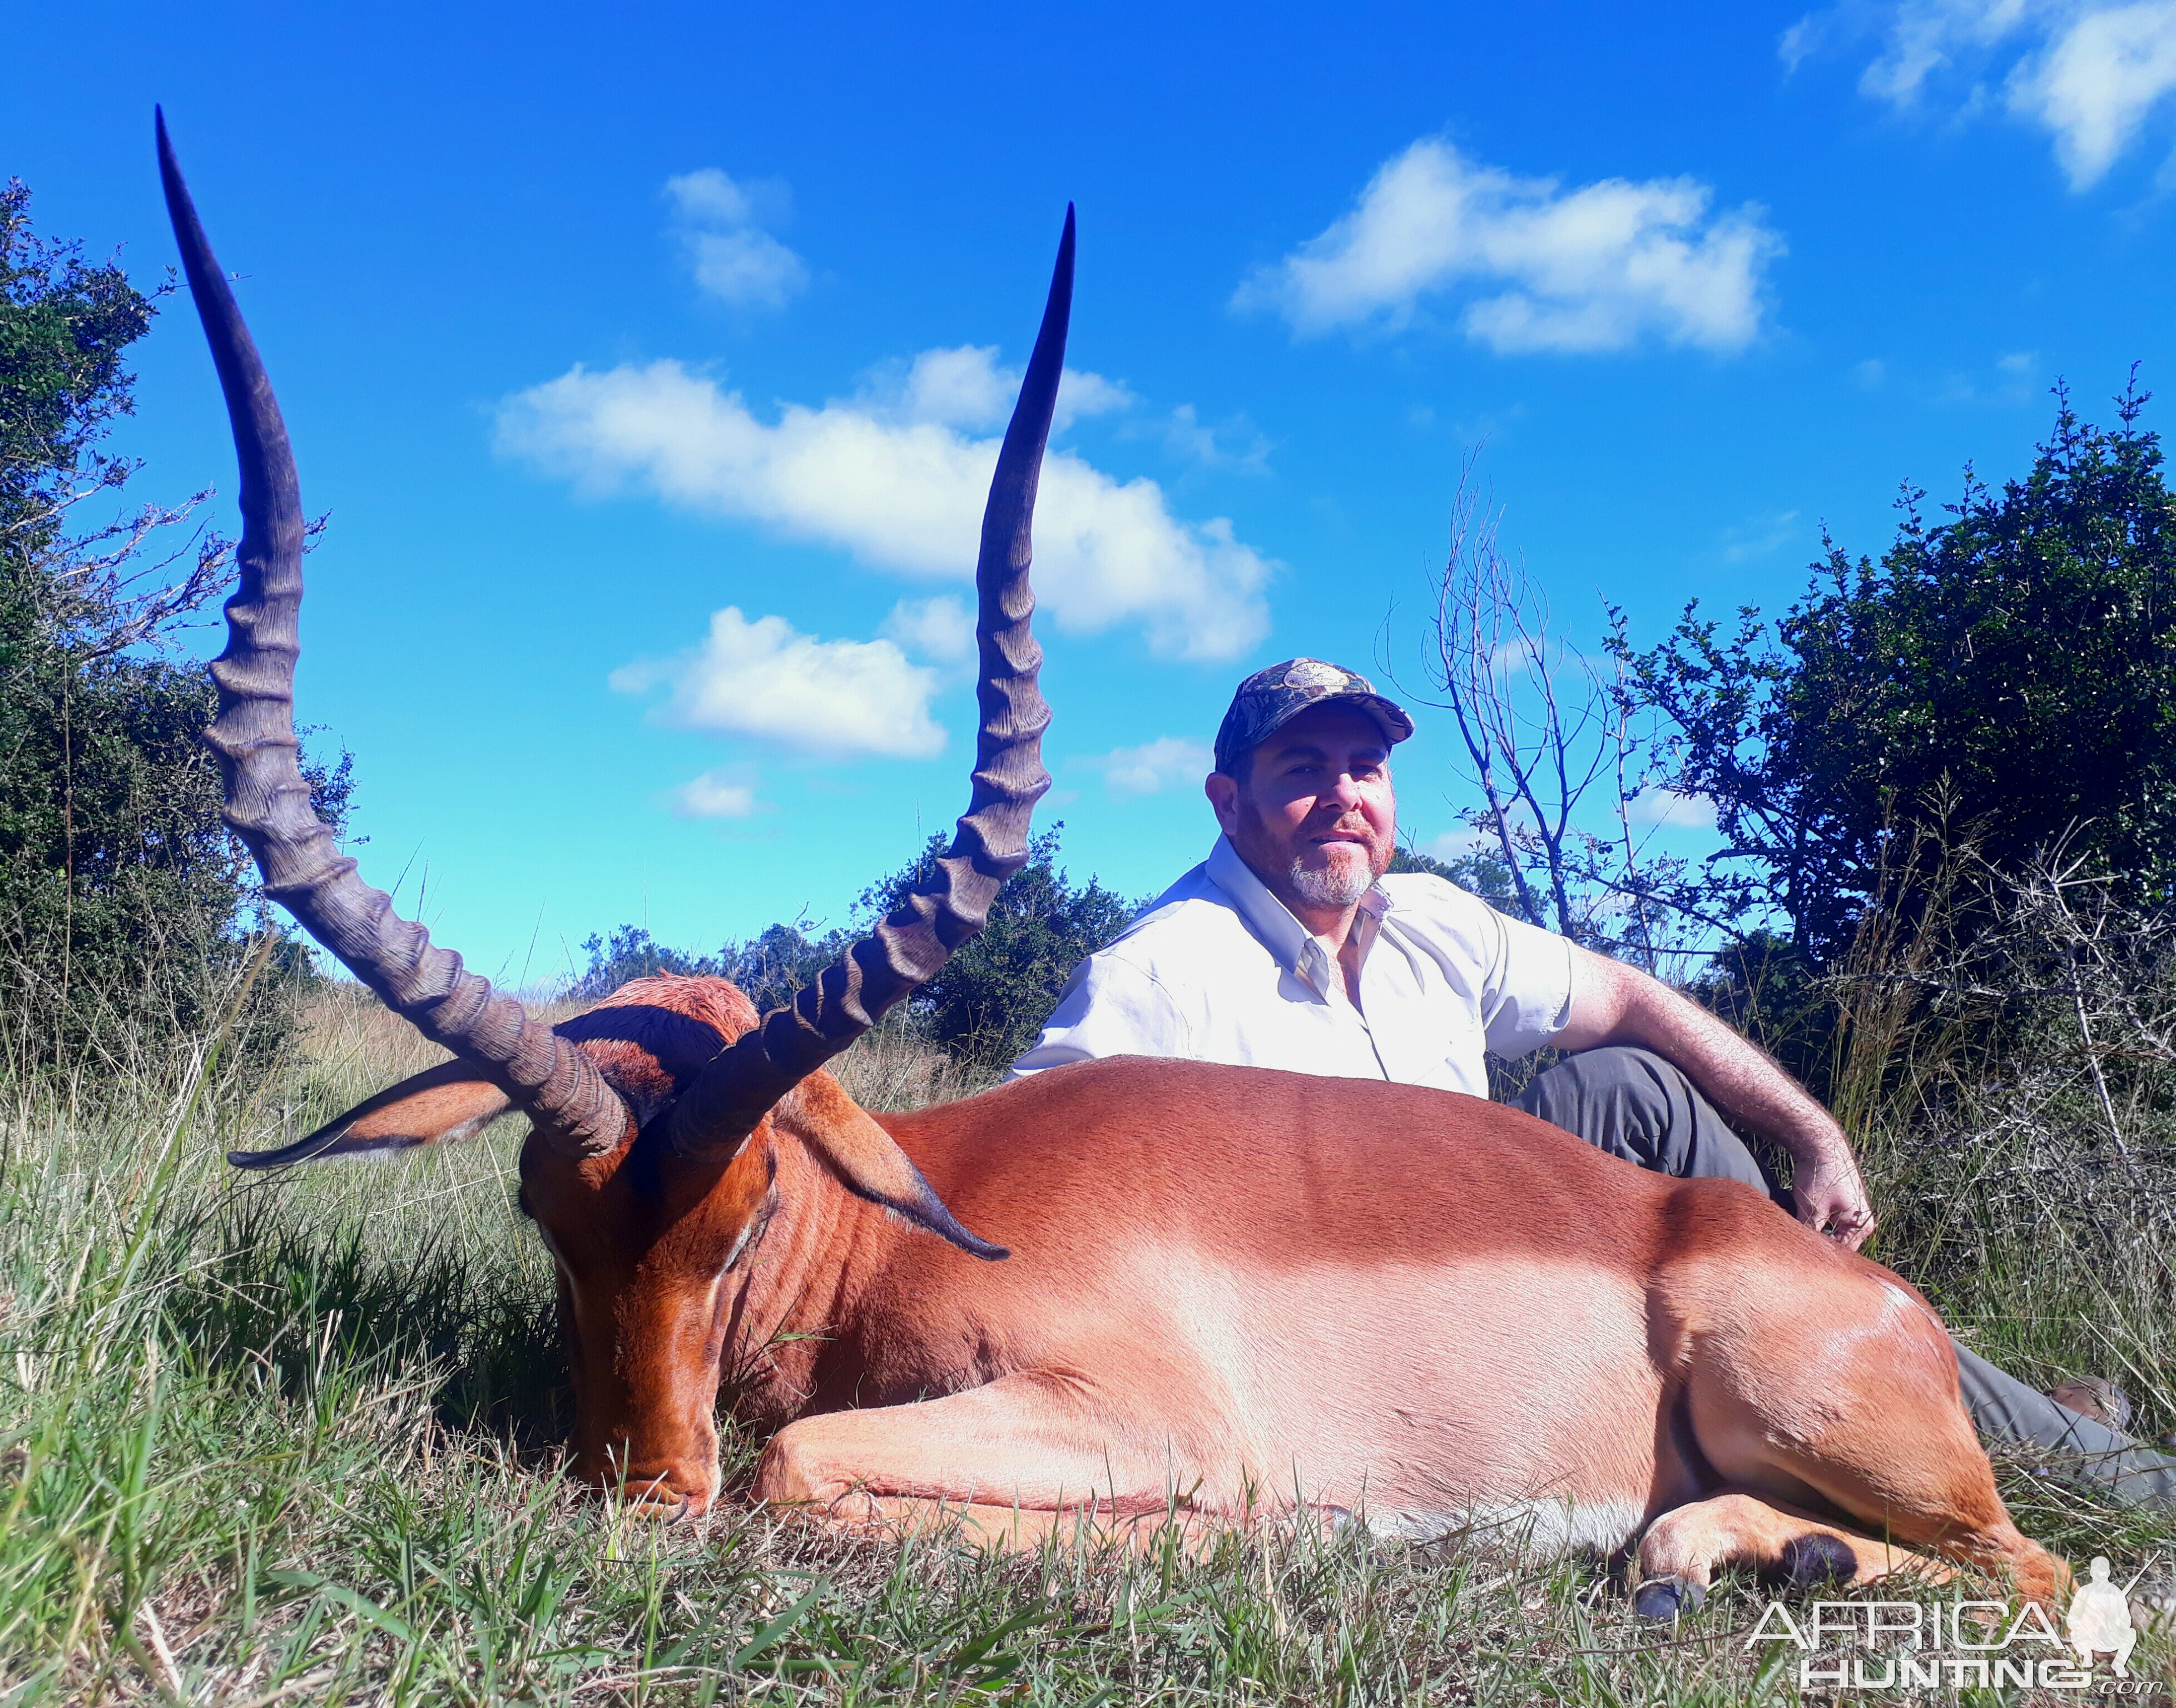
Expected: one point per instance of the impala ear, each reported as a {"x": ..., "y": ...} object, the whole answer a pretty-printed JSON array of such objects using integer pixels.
[
  {"x": 451, "y": 1100},
  {"x": 868, "y": 1162}
]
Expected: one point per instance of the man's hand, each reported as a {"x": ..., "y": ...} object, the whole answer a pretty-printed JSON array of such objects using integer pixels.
[
  {"x": 1831, "y": 1198},
  {"x": 1612, "y": 1004}
]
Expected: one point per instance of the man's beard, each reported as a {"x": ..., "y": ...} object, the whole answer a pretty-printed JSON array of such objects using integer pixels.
[{"x": 1341, "y": 883}]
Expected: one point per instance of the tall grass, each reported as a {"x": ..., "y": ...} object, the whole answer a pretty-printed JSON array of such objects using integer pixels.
[
  {"x": 298, "y": 1440},
  {"x": 2007, "y": 1066}
]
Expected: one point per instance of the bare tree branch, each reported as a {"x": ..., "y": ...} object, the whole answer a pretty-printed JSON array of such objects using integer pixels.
[{"x": 1527, "y": 705}]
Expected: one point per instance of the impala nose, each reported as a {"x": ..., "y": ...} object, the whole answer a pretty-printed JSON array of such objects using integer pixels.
[{"x": 665, "y": 1497}]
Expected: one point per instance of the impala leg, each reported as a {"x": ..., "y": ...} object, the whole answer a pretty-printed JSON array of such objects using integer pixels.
[
  {"x": 1015, "y": 1459},
  {"x": 1848, "y": 1399},
  {"x": 1680, "y": 1553}
]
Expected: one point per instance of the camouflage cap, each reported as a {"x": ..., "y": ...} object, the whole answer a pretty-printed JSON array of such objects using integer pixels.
[{"x": 1270, "y": 698}]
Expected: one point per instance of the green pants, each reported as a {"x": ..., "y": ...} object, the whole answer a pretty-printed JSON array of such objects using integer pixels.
[{"x": 1634, "y": 1105}]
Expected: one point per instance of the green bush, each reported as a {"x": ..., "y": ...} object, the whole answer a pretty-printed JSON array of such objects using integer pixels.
[
  {"x": 2009, "y": 673},
  {"x": 991, "y": 999},
  {"x": 120, "y": 887},
  {"x": 984, "y": 1008}
]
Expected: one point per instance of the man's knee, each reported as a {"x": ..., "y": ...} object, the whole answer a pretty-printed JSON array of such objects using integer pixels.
[
  {"x": 1634, "y": 1104},
  {"x": 1636, "y": 1072},
  {"x": 1618, "y": 1093}
]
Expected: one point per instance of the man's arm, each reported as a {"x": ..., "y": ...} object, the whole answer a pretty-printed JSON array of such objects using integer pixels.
[{"x": 1614, "y": 1003}]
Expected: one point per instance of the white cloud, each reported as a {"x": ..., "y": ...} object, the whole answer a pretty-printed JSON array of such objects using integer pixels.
[
  {"x": 966, "y": 387},
  {"x": 1081, "y": 394},
  {"x": 957, "y": 387},
  {"x": 765, "y": 680},
  {"x": 902, "y": 495},
  {"x": 2089, "y": 74},
  {"x": 1799, "y": 41},
  {"x": 1596, "y": 267},
  {"x": 1925, "y": 38},
  {"x": 1169, "y": 761},
  {"x": 941, "y": 629},
  {"x": 714, "y": 795},
  {"x": 734, "y": 258},
  {"x": 1456, "y": 845},
  {"x": 1512, "y": 658},
  {"x": 1237, "y": 443},
  {"x": 1758, "y": 537},
  {"x": 2012, "y": 383},
  {"x": 2097, "y": 81},
  {"x": 1682, "y": 812}
]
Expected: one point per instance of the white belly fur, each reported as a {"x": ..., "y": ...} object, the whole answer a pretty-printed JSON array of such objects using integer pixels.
[
  {"x": 1497, "y": 1394},
  {"x": 1537, "y": 1528}
]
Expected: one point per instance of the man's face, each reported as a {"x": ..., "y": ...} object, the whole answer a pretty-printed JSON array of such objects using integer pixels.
[{"x": 1316, "y": 819}]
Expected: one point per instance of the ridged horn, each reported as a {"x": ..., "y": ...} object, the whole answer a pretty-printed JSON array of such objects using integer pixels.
[
  {"x": 267, "y": 801},
  {"x": 725, "y": 1102}
]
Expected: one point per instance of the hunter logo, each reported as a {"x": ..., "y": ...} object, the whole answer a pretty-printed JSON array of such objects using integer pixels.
[
  {"x": 2099, "y": 1620},
  {"x": 1956, "y": 1645}
]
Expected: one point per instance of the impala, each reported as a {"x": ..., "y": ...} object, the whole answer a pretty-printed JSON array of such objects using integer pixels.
[{"x": 1190, "y": 1293}]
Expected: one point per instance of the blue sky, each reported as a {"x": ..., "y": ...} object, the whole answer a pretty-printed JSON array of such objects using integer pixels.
[{"x": 649, "y": 364}]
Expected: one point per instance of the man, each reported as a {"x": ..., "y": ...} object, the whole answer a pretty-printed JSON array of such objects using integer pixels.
[{"x": 1289, "y": 947}]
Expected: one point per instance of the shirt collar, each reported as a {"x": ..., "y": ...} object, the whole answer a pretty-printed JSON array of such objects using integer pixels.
[{"x": 1297, "y": 948}]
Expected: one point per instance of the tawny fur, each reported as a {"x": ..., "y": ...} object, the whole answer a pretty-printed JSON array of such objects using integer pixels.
[{"x": 1237, "y": 1292}]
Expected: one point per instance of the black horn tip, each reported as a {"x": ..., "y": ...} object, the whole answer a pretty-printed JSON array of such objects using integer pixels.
[
  {"x": 1039, "y": 387},
  {"x": 170, "y": 170},
  {"x": 932, "y": 1213},
  {"x": 285, "y": 1157},
  {"x": 181, "y": 209},
  {"x": 975, "y": 1246}
]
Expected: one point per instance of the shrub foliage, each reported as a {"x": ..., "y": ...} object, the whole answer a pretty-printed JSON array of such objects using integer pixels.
[
  {"x": 984, "y": 1008},
  {"x": 2010, "y": 672},
  {"x": 123, "y": 896}
]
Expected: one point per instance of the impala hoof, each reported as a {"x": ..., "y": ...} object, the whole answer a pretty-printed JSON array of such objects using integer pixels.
[
  {"x": 1816, "y": 1560},
  {"x": 1665, "y": 1598},
  {"x": 657, "y": 1499},
  {"x": 856, "y": 1508},
  {"x": 664, "y": 1506}
]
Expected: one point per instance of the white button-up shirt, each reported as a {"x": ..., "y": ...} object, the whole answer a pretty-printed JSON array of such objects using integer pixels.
[{"x": 1218, "y": 970}]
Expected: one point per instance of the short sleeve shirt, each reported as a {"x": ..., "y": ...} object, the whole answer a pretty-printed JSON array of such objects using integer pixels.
[{"x": 1217, "y": 969}]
